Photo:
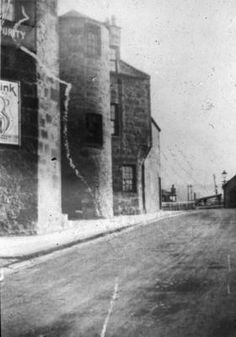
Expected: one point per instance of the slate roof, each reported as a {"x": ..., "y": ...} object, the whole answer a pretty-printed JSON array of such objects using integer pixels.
[
  {"x": 127, "y": 69},
  {"x": 74, "y": 14},
  {"x": 234, "y": 177}
]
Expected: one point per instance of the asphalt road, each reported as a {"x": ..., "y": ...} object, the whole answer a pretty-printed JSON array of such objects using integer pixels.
[{"x": 174, "y": 278}]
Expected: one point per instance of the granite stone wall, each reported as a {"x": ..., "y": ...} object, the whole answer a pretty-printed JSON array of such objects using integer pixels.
[
  {"x": 132, "y": 145},
  {"x": 30, "y": 173},
  {"x": 152, "y": 173},
  {"x": 86, "y": 162},
  {"x": 230, "y": 193},
  {"x": 18, "y": 164},
  {"x": 49, "y": 135}
]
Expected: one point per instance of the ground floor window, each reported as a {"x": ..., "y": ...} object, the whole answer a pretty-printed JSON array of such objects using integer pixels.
[{"x": 129, "y": 178}]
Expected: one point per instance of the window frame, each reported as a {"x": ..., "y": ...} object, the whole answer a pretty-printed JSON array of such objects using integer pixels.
[
  {"x": 113, "y": 59},
  {"x": 115, "y": 121},
  {"x": 94, "y": 49},
  {"x": 129, "y": 179}
]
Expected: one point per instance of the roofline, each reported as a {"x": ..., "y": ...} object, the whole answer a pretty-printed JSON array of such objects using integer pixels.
[
  {"x": 165, "y": 191},
  {"x": 229, "y": 181},
  {"x": 209, "y": 196},
  {"x": 142, "y": 73},
  {"x": 114, "y": 73},
  {"x": 81, "y": 16},
  {"x": 155, "y": 123},
  {"x": 108, "y": 25}
]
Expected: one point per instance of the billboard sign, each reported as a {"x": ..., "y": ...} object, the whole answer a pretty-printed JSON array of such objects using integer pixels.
[
  {"x": 12, "y": 35},
  {"x": 10, "y": 112}
]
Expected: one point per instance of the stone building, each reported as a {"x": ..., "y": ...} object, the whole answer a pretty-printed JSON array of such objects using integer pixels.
[
  {"x": 84, "y": 63},
  {"x": 131, "y": 139},
  {"x": 109, "y": 127},
  {"x": 135, "y": 139},
  {"x": 76, "y": 134},
  {"x": 230, "y": 193},
  {"x": 30, "y": 188},
  {"x": 152, "y": 167}
]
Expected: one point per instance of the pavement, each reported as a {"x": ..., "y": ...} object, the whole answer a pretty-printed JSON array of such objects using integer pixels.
[{"x": 17, "y": 248}]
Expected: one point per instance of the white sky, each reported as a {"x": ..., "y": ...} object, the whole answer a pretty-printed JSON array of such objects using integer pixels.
[{"x": 189, "y": 49}]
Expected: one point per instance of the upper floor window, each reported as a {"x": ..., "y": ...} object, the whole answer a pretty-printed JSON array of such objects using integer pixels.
[
  {"x": 16, "y": 10},
  {"x": 8, "y": 9},
  {"x": 113, "y": 60},
  {"x": 114, "y": 119},
  {"x": 94, "y": 130},
  {"x": 128, "y": 178},
  {"x": 93, "y": 40}
]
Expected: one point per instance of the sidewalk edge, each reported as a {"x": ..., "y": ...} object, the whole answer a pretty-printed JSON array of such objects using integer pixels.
[{"x": 27, "y": 256}]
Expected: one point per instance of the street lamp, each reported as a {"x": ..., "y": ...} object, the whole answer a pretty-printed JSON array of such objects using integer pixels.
[{"x": 224, "y": 175}]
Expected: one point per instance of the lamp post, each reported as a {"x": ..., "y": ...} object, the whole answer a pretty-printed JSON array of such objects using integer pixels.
[{"x": 224, "y": 175}]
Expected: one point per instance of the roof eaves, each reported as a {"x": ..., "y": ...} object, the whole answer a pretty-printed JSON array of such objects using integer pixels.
[
  {"x": 139, "y": 72},
  {"x": 229, "y": 181},
  {"x": 76, "y": 15}
]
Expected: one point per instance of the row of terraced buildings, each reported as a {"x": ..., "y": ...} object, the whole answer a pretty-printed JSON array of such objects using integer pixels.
[{"x": 77, "y": 137}]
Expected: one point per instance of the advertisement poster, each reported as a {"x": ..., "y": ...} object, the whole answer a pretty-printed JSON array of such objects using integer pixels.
[{"x": 9, "y": 113}]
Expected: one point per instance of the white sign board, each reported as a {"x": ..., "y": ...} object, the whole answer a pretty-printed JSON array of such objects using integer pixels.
[{"x": 9, "y": 112}]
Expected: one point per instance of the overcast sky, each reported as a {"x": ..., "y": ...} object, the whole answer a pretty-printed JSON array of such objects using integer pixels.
[{"x": 189, "y": 49}]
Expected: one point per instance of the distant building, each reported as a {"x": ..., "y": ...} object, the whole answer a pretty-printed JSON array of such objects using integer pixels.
[
  {"x": 210, "y": 200},
  {"x": 152, "y": 167},
  {"x": 166, "y": 196},
  {"x": 230, "y": 193},
  {"x": 169, "y": 196}
]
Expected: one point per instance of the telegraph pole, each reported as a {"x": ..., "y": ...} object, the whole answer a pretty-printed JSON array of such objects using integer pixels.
[
  {"x": 190, "y": 192},
  {"x": 216, "y": 188}
]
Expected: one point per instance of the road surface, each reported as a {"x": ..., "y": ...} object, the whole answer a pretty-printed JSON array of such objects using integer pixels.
[{"x": 173, "y": 278}]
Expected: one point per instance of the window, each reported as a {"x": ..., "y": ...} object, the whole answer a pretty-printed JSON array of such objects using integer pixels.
[
  {"x": 94, "y": 132},
  {"x": 112, "y": 59},
  {"x": 114, "y": 119},
  {"x": 128, "y": 178},
  {"x": 93, "y": 41},
  {"x": 8, "y": 10},
  {"x": 15, "y": 10}
]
